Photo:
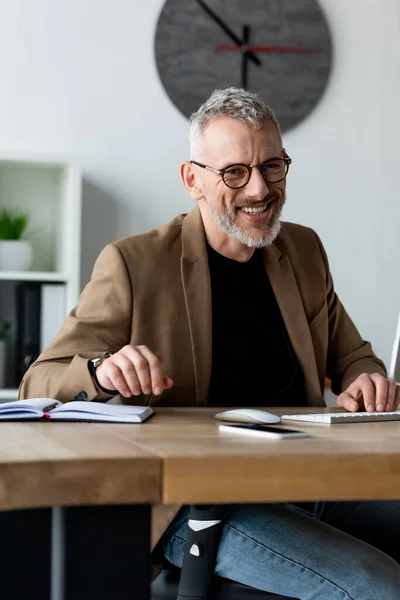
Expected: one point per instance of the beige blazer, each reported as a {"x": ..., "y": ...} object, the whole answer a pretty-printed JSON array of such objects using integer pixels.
[{"x": 154, "y": 289}]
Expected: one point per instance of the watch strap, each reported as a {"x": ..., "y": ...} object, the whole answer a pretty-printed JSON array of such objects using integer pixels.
[{"x": 92, "y": 365}]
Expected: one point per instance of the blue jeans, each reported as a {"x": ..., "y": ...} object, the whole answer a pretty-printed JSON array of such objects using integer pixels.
[{"x": 309, "y": 551}]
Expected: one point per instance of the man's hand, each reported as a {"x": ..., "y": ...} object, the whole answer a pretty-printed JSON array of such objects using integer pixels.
[
  {"x": 371, "y": 393},
  {"x": 132, "y": 371}
]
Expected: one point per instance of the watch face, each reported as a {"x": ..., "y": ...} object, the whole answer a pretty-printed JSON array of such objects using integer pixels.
[{"x": 279, "y": 48}]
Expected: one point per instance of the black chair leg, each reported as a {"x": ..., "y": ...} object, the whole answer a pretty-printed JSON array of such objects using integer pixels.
[{"x": 204, "y": 532}]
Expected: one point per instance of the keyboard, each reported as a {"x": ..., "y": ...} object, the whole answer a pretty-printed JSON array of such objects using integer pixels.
[{"x": 344, "y": 417}]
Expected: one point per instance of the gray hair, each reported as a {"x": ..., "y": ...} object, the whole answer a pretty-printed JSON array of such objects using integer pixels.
[{"x": 234, "y": 102}]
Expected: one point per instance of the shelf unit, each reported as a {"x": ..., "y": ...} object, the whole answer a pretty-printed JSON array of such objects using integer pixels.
[
  {"x": 48, "y": 188},
  {"x": 8, "y": 394},
  {"x": 33, "y": 276}
]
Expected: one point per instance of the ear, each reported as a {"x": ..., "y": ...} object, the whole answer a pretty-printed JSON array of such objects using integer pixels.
[{"x": 191, "y": 181}]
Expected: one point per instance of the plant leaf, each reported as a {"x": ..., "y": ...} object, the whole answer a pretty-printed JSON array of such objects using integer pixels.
[{"x": 12, "y": 224}]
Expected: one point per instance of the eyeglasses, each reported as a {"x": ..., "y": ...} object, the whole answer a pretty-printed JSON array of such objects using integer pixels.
[{"x": 238, "y": 175}]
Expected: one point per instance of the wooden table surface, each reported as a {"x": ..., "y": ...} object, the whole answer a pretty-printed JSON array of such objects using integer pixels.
[
  {"x": 179, "y": 456},
  {"x": 338, "y": 462},
  {"x": 52, "y": 464}
]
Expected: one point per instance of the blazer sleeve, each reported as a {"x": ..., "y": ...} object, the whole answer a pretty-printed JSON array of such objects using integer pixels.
[
  {"x": 101, "y": 322},
  {"x": 348, "y": 354}
]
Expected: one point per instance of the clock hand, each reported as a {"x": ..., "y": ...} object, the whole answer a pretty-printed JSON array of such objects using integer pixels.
[
  {"x": 227, "y": 30},
  {"x": 245, "y": 55},
  {"x": 280, "y": 49}
]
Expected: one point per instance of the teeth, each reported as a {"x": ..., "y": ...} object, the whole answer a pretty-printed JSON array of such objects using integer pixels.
[{"x": 254, "y": 211}]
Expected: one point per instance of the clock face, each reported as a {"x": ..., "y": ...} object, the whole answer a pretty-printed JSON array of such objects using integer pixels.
[{"x": 280, "y": 49}]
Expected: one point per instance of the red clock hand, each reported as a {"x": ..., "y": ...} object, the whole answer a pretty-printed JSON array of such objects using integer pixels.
[
  {"x": 280, "y": 49},
  {"x": 227, "y": 30}
]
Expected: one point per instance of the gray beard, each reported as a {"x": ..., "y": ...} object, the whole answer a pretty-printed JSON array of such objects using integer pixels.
[{"x": 265, "y": 238}]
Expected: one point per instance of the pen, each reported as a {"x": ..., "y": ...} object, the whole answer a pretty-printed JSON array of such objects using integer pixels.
[{"x": 49, "y": 407}]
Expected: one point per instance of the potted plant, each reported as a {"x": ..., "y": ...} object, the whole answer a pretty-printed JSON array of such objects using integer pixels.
[
  {"x": 15, "y": 253},
  {"x": 4, "y": 327}
]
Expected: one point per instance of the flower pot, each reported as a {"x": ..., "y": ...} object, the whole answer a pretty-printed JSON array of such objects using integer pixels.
[
  {"x": 2, "y": 363},
  {"x": 15, "y": 255}
]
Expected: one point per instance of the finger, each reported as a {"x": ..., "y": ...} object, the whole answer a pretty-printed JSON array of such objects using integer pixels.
[
  {"x": 391, "y": 395},
  {"x": 397, "y": 398},
  {"x": 366, "y": 387},
  {"x": 114, "y": 376},
  {"x": 168, "y": 382},
  {"x": 347, "y": 401},
  {"x": 156, "y": 370},
  {"x": 142, "y": 369},
  {"x": 129, "y": 372},
  {"x": 381, "y": 391}
]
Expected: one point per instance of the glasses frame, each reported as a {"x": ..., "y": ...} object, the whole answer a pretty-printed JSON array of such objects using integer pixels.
[{"x": 286, "y": 158}]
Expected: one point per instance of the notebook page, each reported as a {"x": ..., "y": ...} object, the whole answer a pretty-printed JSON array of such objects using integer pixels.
[
  {"x": 100, "y": 411},
  {"x": 33, "y": 405}
]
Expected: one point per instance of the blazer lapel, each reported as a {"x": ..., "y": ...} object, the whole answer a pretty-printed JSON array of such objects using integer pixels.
[
  {"x": 287, "y": 293},
  {"x": 197, "y": 290}
]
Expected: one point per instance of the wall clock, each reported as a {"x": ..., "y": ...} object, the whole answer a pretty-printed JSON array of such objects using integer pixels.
[{"x": 281, "y": 49}]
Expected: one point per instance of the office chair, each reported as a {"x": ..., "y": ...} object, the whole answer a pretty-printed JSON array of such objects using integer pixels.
[{"x": 196, "y": 580}]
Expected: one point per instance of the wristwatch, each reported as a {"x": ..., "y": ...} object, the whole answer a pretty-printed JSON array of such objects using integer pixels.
[{"x": 93, "y": 363}]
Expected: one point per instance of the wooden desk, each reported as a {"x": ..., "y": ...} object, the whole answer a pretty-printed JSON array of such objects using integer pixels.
[
  {"x": 107, "y": 476},
  {"x": 51, "y": 464},
  {"x": 201, "y": 465},
  {"x": 106, "y": 486}
]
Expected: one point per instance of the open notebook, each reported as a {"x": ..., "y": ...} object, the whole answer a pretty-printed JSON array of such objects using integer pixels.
[{"x": 53, "y": 410}]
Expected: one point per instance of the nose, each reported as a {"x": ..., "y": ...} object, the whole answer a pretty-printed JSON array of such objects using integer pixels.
[{"x": 257, "y": 187}]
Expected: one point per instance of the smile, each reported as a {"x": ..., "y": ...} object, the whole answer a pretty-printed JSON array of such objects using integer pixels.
[{"x": 252, "y": 210}]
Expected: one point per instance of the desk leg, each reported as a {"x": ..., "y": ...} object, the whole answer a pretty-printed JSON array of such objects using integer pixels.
[
  {"x": 107, "y": 551},
  {"x": 25, "y": 554}
]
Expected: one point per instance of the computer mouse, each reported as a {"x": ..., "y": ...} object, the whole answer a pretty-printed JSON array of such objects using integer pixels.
[{"x": 248, "y": 415}]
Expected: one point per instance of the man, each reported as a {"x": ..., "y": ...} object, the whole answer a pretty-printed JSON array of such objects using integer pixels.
[{"x": 229, "y": 281}]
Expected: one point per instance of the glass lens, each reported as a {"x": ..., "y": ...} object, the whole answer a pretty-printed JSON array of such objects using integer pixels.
[
  {"x": 274, "y": 170},
  {"x": 236, "y": 175}
]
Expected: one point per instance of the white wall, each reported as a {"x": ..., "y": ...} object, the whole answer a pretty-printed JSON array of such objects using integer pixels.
[{"x": 78, "y": 77}]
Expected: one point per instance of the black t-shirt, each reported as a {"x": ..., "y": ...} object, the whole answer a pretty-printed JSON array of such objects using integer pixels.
[{"x": 253, "y": 362}]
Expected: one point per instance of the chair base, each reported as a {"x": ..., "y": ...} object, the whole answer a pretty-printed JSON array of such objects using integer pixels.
[{"x": 165, "y": 587}]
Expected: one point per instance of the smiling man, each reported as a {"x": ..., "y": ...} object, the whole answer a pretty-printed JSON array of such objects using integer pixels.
[{"x": 227, "y": 306}]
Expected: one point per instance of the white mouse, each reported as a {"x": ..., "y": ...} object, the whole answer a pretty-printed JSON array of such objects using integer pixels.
[{"x": 248, "y": 415}]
